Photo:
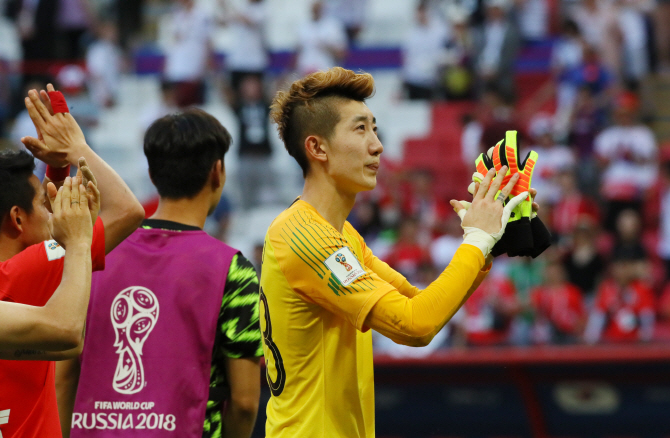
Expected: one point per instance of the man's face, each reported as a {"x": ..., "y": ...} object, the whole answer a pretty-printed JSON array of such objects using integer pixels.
[
  {"x": 36, "y": 228},
  {"x": 354, "y": 148}
]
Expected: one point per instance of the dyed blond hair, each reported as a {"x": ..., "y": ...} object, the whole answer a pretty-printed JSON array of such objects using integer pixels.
[{"x": 309, "y": 107}]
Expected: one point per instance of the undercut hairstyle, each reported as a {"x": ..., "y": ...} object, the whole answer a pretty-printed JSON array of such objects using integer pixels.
[
  {"x": 309, "y": 107},
  {"x": 16, "y": 168},
  {"x": 181, "y": 149}
]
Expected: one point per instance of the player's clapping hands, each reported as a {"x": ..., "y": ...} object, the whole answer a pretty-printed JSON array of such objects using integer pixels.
[
  {"x": 70, "y": 223},
  {"x": 59, "y": 137},
  {"x": 487, "y": 212}
]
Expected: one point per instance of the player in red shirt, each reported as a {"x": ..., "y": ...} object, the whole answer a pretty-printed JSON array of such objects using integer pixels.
[
  {"x": 59, "y": 324},
  {"x": 31, "y": 266}
]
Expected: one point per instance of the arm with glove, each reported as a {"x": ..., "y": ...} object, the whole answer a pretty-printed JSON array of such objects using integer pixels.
[{"x": 414, "y": 319}]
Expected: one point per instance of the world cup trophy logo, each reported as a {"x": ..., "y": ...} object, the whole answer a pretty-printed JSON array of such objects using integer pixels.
[
  {"x": 134, "y": 314},
  {"x": 341, "y": 259}
]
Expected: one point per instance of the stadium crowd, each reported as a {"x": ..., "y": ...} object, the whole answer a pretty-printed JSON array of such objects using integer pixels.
[{"x": 603, "y": 181}]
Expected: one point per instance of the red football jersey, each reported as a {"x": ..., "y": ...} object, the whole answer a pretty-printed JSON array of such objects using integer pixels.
[
  {"x": 28, "y": 393},
  {"x": 562, "y": 305},
  {"x": 623, "y": 309}
]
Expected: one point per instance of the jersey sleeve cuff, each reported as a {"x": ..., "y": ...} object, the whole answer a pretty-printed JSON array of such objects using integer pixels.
[{"x": 368, "y": 305}]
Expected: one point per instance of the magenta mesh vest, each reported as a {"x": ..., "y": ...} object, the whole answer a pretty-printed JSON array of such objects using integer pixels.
[{"x": 151, "y": 323}]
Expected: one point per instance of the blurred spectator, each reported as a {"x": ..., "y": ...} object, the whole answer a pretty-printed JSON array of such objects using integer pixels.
[
  {"x": 489, "y": 312},
  {"x": 255, "y": 166},
  {"x": 248, "y": 52},
  {"x": 533, "y": 19},
  {"x": 129, "y": 17},
  {"x": 422, "y": 202},
  {"x": 366, "y": 218},
  {"x": 590, "y": 73},
  {"x": 322, "y": 42},
  {"x": 458, "y": 75},
  {"x": 37, "y": 26},
  {"x": 352, "y": 13},
  {"x": 559, "y": 311},
  {"x": 624, "y": 307},
  {"x": 188, "y": 51},
  {"x": 471, "y": 139},
  {"x": 662, "y": 32},
  {"x": 221, "y": 216},
  {"x": 73, "y": 20},
  {"x": 597, "y": 21},
  {"x": 566, "y": 55},
  {"x": 583, "y": 263},
  {"x": 443, "y": 248},
  {"x": 166, "y": 105},
  {"x": 663, "y": 325},
  {"x": 629, "y": 230},
  {"x": 633, "y": 28},
  {"x": 628, "y": 238},
  {"x": 71, "y": 80},
  {"x": 627, "y": 152},
  {"x": 664, "y": 217},
  {"x": 573, "y": 206},
  {"x": 552, "y": 159},
  {"x": 525, "y": 274},
  {"x": 499, "y": 44},
  {"x": 423, "y": 53},
  {"x": 498, "y": 117},
  {"x": 104, "y": 62},
  {"x": 407, "y": 255},
  {"x": 586, "y": 120}
]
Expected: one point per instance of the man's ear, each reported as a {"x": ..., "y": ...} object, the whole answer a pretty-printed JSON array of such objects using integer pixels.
[
  {"x": 315, "y": 148},
  {"x": 215, "y": 175},
  {"x": 14, "y": 221}
]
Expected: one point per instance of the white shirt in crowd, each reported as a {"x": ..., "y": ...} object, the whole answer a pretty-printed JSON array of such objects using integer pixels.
[
  {"x": 630, "y": 152},
  {"x": 566, "y": 54},
  {"x": 187, "y": 52},
  {"x": 534, "y": 19},
  {"x": 494, "y": 37},
  {"x": 248, "y": 52},
  {"x": 104, "y": 61},
  {"x": 316, "y": 39},
  {"x": 550, "y": 161},
  {"x": 423, "y": 52}
]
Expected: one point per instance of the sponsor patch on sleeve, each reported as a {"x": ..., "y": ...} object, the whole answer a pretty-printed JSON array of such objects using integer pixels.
[
  {"x": 345, "y": 266},
  {"x": 54, "y": 250}
]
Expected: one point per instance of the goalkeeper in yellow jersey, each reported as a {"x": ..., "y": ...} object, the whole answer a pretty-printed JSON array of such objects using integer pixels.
[{"x": 322, "y": 289}]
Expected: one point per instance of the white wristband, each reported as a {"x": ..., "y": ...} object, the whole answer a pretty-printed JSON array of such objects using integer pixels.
[{"x": 479, "y": 238}]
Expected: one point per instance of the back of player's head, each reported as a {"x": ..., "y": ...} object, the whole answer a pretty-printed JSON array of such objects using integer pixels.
[
  {"x": 309, "y": 107},
  {"x": 182, "y": 149},
  {"x": 15, "y": 171}
]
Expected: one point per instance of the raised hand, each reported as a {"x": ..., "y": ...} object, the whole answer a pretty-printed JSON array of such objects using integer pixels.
[
  {"x": 70, "y": 224},
  {"x": 59, "y": 137},
  {"x": 486, "y": 212},
  {"x": 87, "y": 179}
]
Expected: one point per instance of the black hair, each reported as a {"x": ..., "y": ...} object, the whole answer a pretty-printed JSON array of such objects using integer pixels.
[
  {"x": 181, "y": 149},
  {"x": 16, "y": 167}
]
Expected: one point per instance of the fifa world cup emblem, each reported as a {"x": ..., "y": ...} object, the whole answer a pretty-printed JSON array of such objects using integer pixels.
[
  {"x": 134, "y": 314},
  {"x": 341, "y": 259}
]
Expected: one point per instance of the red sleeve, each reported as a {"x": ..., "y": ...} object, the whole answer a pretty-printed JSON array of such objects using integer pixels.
[
  {"x": 32, "y": 276},
  {"x": 98, "y": 246}
]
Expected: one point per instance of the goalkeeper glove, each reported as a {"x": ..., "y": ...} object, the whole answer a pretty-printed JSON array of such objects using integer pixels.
[{"x": 526, "y": 234}]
